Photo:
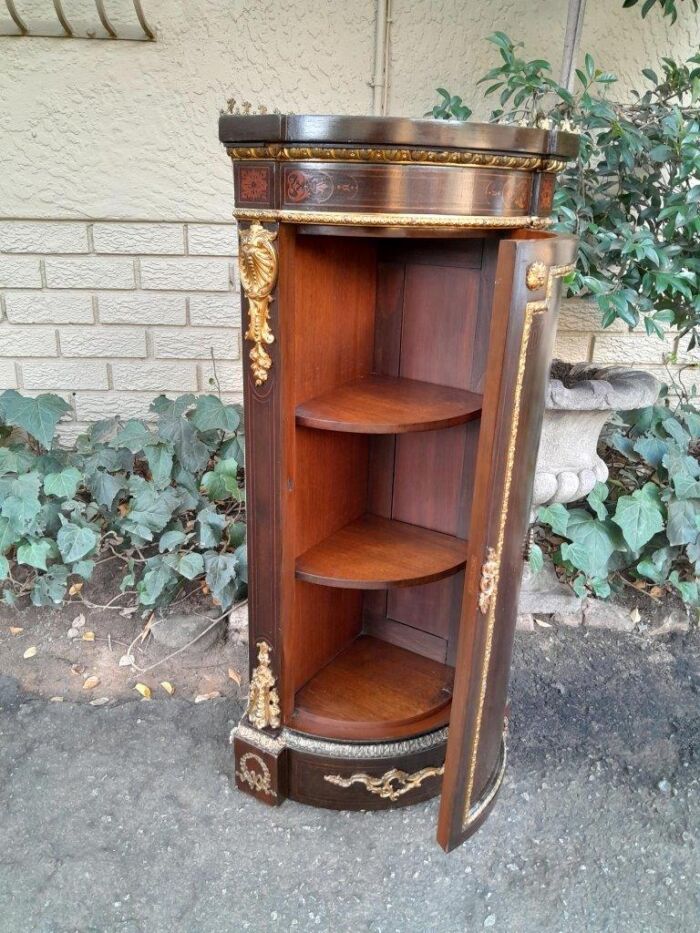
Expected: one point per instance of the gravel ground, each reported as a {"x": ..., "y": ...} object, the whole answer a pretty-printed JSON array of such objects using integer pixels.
[{"x": 123, "y": 818}]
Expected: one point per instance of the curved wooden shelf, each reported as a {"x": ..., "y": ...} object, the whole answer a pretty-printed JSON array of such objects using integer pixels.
[
  {"x": 374, "y": 553},
  {"x": 388, "y": 405},
  {"x": 374, "y": 690}
]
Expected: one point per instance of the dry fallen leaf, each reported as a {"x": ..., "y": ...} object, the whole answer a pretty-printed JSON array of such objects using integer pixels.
[
  {"x": 656, "y": 591},
  {"x": 100, "y": 701},
  {"x": 167, "y": 686},
  {"x": 78, "y": 668},
  {"x": 203, "y": 697},
  {"x": 91, "y": 682},
  {"x": 75, "y": 588},
  {"x": 144, "y": 691},
  {"x": 30, "y": 652},
  {"x": 635, "y": 615},
  {"x": 72, "y": 633},
  {"x": 88, "y": 636},
  {"x": 16, "y": 630},
  {"x": 126, "y": 660},
  {"x": 234, "y": 676},
  {"x": 56, "y": 700},
  {"x": 543, "y": 623}
]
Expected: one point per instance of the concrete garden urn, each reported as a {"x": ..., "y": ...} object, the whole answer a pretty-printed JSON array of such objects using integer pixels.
[{"x": 580, "y": 398}]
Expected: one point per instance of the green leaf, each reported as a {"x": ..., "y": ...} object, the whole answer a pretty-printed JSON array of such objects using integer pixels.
[
  {"x": 22, "y": 506},
  {"x": 241, "y": 555},
  {"x": 50, "y": 588},
  {"x": 170, "y": 540},
  {"x": 596, "y": 499},
  {"x": 38, "y": 416},
  {"x": 190, "y": 565},
  {"x": 593, "y": 543},
  {"x": 169, "y": 409},
  {"x": 151, "y": 508},
  {"x": 657, "y": 566},
  {"x": 214, "y": 486},
  {"x": 535, "y": 559},
  {"x": 578, "y": 585},
  {"x": 105, "y": 487},
  {"x": 209, "y": 526},
  {"x": 4, "y": 567},
  {"x": 35, "y": 552},
  {"x": 160, "y": 462},
  {"x": 653, "y": 449},
  {"x": 236, "y": 533},
  {"x": 189, "y": 449},
  {"x": 75, "y": 541},
  {"x": 687, "y": 589},
  {"x": 135, "y": 436},
  {"x": 15, "y": 459},
  {"x": 63, "y": 485},
  {"x": 556, "y": 516},
  {"x": 600, "y": 587},
  {"x": 211, "y": 414},
  {"x": 639, "y": 516},
  {"x": 220, "y": 575},
  {"x": 682, "y": 524},
  {"x": 154, "y": 582},
  {"x": 9, "y": 536},
  {"x": 83, "y": 568}
]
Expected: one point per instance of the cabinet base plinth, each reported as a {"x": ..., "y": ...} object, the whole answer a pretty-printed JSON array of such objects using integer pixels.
[{"x": 338, "y": 775}]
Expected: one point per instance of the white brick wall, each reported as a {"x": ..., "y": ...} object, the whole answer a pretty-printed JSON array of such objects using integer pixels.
[
  {"x": 581, "y": 338},
  {"x": 111, "y": 314}
]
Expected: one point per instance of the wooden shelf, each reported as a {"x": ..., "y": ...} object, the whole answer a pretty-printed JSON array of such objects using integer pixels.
[
  {"x": 374, "y": 690},
  {"x": 387, "y": 405},
  {"x": 376, "y": 553}
]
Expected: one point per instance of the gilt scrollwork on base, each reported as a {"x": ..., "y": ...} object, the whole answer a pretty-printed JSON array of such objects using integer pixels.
[
  {"x": 257, "y": 262},
  {"x": 263, "y": 701},
  {"x": 390, "y": 786}
]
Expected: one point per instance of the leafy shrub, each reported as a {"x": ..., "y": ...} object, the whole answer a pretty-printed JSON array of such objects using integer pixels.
[
  {"x": 644, "y": 524},
  {"x": 632, "y": 195},
  {"x": 167, "y": 498}
]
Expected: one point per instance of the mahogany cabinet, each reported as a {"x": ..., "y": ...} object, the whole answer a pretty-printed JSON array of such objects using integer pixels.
[{"x": 400, "y": 294}]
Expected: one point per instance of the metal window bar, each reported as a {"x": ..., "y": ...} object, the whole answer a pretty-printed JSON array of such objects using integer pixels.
[{"x": 64, "y": 30}]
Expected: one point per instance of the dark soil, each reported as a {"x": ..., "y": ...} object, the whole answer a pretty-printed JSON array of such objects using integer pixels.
[{"x": 62, "y": 664}]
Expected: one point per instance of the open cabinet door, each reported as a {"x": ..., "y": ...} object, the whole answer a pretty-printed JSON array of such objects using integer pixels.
[{"x": 526, "y": 298}]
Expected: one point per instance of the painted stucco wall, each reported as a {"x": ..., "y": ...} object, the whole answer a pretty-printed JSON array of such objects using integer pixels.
[{"x": 116, "y": 252}]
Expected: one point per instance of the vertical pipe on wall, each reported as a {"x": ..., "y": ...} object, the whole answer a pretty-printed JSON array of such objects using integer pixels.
[
  {"x": 574, "y": 27},
  {"x": 379, "y": 82}
]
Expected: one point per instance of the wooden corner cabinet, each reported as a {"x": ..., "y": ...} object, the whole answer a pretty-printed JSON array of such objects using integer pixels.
[{"x": 400, "y": 294}]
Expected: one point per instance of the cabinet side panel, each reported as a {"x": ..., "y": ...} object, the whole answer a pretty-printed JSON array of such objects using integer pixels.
[{"x": 266, "y": 452}]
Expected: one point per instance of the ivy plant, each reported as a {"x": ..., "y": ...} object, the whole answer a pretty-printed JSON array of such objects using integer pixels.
[
  {"x": 643, "y": 525},
  {"x": 164, "y": 500}
]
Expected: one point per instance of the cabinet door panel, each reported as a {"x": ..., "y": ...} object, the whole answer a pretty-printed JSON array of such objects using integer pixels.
[{"x": 528, "y": 284}]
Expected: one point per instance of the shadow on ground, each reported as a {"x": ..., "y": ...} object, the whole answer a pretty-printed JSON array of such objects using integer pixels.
[{"x": 123, "y": 820}]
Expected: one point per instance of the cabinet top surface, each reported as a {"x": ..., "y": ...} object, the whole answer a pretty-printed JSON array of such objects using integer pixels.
[{"x": 309, "y": 129}]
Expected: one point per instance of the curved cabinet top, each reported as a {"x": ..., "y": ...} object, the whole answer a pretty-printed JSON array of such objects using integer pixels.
[
  {"x": 375, "y": 172},
  {"x": 306, "y": 129}
]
